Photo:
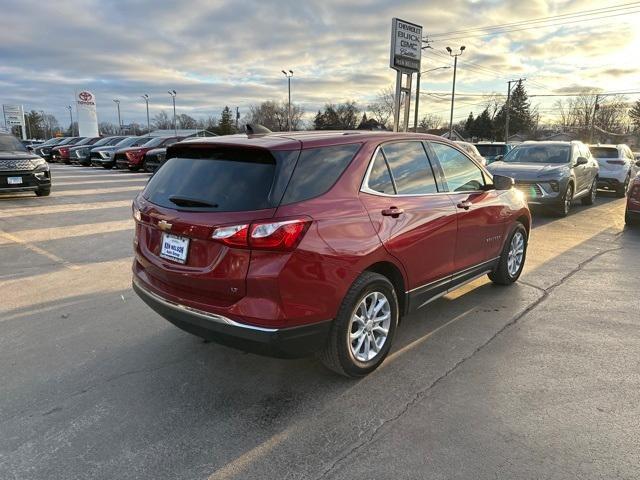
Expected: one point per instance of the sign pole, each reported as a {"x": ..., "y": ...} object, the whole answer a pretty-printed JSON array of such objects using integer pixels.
[
  {"x": 396, "y": 102},
  {"x": 407, "y": 102}
]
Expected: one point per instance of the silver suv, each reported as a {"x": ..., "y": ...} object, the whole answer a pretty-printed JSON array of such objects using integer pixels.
[{"x": 617, "y": 167}]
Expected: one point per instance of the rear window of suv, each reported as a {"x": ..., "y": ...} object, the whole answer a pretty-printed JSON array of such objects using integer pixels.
[{"x": 604, "y": 152}]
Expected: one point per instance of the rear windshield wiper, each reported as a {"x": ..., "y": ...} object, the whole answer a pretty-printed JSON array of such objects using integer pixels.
[{"x": 191, "y": 202}]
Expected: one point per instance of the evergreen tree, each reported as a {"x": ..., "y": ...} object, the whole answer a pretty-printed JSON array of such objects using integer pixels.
[
  {"x": 520, "y": 118},
  {"x": 469, "y": 126},
  {"x": 225, "y": 125},
  {"x": 483, "y": 125}
]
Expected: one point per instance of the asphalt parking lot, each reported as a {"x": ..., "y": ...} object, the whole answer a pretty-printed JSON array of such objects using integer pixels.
[{"x": 537, "y": 380}]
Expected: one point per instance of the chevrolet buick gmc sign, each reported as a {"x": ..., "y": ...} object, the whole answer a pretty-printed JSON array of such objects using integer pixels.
[{"x": 406, "y": 45}]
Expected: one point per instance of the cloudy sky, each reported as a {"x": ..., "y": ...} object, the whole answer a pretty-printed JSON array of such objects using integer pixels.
[{"x": 219, "y": 52}]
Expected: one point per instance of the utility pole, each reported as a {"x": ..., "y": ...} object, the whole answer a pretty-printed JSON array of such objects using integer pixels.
[
  {"x": 508, "y": 107},
  {"x": 416, "y": 112},
  {"x": 173, "y": 94},
  {"x": 117, "y": 102},
  {"x": 70, "y": 119},
  {"x": 146, "y": 100},
  {"x": 237, "y": 117},
  {"x": 453, "y": 91},
  {"x": 596, "y": 107},
  {"x": 289, "y": 74}
]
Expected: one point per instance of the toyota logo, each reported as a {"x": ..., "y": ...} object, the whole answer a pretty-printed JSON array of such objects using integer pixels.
[{"x": 85, "y": 96}]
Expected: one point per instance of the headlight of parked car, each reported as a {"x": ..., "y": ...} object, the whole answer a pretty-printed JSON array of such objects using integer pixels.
[
  {"x": 39, "y": 164},
  {"x": 105, "y": 154}
]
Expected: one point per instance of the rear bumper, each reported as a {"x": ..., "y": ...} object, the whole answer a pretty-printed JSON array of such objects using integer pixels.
[
  {"x": 293, "y": 342},
  {"x": 610, "y": 183}
]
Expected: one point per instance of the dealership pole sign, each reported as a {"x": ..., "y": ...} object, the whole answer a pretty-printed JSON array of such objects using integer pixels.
[
  {"x": 14, "y": 117},
  {"x": 406, "y": 46},
  {"x": 86, "y": 114},
  {"x": 406, "y": 53}
]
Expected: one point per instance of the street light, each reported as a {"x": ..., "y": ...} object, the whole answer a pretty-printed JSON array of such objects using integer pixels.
[
  {"x": 417, "y": 108},
  {"x": 46, "y": 127},
  {"x": 70, "y": 119},
  {"x": 146, "y": 100},
  {"x": 173, "y": 94},
  {"x": 289, "y": 74},
  {"x": 453, "y": 91},
  {"x": 117, "y": 102}
]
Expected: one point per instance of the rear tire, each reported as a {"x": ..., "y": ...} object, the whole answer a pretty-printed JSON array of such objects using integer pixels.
[
  {"x": 630, "y": 222},
  {"x": 591, "y": 196},
  {"x": 515, "y": 249},
  {"x": 43, "y": 192},
  {"x": 357, "y": 343}
]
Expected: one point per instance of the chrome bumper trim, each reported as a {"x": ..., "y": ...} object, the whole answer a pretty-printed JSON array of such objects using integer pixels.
[{"x": 200, "y": 313}]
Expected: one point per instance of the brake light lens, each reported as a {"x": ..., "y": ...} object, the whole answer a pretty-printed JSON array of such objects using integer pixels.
[
  {"x": 283, "y": 235},
  {"x": 134, "y": 155},
  {"x": 635, "y": 192},
  {"x": 64, "y": 151}
]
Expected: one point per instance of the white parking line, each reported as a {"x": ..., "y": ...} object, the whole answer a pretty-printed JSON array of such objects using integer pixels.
[
  {"x": 63, "y": 208},
  {"x": 103, "y": 175},
  {"x": 95, "y": 191},
  {"x": 99, "y": 182},
  {"x": 58, "y": 233}
]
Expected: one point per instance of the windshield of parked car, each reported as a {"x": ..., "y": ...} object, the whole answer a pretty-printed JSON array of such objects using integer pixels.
[
  {"x": 9, "y": 143},
  {"x": 51, "y": 141},
  {"x": 84, "y": 141},
  {"x": 103, "y": 141},
  {"x": 154, "y": 142},
  {"x": 604, "y": 152},
  {"x": 127, "y": 142},
  {"x": 539, "y": 154},
  {"x": 490, "y": 150}
]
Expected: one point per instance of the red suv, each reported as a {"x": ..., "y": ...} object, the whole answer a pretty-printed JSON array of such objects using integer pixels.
[
  {"x": 133, "y": 157},
  {"x": 632, "y": 211},
  {"x": 289, "y": 244}
]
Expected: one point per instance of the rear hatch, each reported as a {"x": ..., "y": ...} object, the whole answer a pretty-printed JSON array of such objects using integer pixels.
[
  {"x": 202, "y": 188},
  {"x": 609, "y": 160}
]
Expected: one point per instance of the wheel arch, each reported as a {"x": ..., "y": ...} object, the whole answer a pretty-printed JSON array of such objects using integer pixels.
[{"x": 395, "y": 276}]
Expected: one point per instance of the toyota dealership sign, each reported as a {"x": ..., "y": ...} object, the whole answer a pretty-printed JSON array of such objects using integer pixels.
[
  {"x": 406, "y": 46},
  {"x": 86, "y": 113}
]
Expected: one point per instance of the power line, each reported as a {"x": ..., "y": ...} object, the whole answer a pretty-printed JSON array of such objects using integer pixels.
[
  {"x": 559, "y": 24},
  {"x": 542, "y": 19}
]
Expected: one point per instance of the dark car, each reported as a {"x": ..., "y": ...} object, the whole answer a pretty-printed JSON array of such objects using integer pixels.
[
  {"x": 552, "y": 174},
  {"x": 153, "y": 159},
  {"x": 104, "y": 156},
  {"x": 133, "y": 157},
  {"x": 81, "y": 153},
  {"x": 60, "y": 153},
  {"x": 632, "y": 211},
  {"x": 21, "y": 170},
  {"x": 493, "y": 151},
  {"x": 293, "y": 243},
  {"x": 44, "y": 150}
]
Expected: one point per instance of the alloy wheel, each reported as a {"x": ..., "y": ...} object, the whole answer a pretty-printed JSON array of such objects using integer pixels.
[
  {"x": 568, "y": 198},
  {"x": 516, "y": 254},
  {"x": 369, "y": 326}
]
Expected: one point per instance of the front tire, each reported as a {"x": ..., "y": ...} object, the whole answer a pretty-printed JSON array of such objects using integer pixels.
[
  {"x": 512, "y": 258},
  {"x": 630, "y": 222},
  {"x": 621, "y": 191},
  {"x": 363, "y": 330},
  {"x": 565, "y": 207},
  {"x": 43, "y": 191}
]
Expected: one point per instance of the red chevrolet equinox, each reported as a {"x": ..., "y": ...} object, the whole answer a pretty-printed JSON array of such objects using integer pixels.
[{"x": 288, "y": 244}]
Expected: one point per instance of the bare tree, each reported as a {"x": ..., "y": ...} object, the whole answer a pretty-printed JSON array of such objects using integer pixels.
[
  {"x": 431, "y": 121},
  {"x": 161, "y": 121},
  {"x": 187, "y": 122},
  {"x": 382, "y": 108},
  {"x": 273, "y": 115}
]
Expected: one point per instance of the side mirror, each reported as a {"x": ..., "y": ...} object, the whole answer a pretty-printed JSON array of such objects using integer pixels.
[
  {"x": 582, "y": 161},
  {"x": 638, "y": 163},
  {"x": 498, "y": 158},
  {"x": 500, "y": 182}
]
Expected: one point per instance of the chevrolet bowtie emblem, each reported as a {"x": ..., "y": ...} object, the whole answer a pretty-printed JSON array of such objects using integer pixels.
[{"x": 164, "y": 225}]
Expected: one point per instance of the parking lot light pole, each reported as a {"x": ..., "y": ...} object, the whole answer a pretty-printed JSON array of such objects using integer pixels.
[
  {"x": 417, "y": 107},
  {"x": 289, "y": 74},
  {"x": 117, "y": 102},
  {"x": 146, "y": 100},
  {"x": 453, "y": 91},
  {"x": 173, "y": 94},
  {"x": 70, "y": 119},
  {"x": 44, "y": 123}
]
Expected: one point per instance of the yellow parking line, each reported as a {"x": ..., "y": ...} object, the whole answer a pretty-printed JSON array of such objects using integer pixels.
[
  {"x": 38, "y": 250},
  {"x": 57, "y": 233}
]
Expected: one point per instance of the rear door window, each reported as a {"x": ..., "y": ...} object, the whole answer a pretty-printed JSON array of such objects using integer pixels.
[
  {"x": 461, "y": 174},
  {"x": 317, "y": 171},
  {"x": 221, "y": 180},
  {"x": 380, "y": 177},
  {"x": 410, "y": 168}
]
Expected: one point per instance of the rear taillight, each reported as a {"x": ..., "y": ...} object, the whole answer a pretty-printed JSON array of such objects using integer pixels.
[
  {"x": 616, "y": 162},
  {"x": 134, "y": 156},
  {"x": 64, "y": 152},
  {"x": 281, "y": 235},
  {"x": 635, "y": 192}
]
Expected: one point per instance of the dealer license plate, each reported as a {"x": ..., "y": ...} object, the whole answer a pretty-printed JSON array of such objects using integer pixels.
[
  {"x": 174, "y": 248},
  {"x": 14, "y": 180}
]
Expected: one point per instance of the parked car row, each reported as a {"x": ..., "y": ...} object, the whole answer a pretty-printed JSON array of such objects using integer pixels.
[
  {"x": 554, "y": 174},
  {"x": 127, "y": 152}
]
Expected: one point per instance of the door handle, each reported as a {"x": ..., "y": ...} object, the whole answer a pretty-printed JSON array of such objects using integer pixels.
[
  {"x": 392, "y": 212},
  {"x": 465, "y": 205}
]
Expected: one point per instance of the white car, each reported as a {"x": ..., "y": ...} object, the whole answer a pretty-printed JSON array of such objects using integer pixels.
[{"x": 617, "y": 167}]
